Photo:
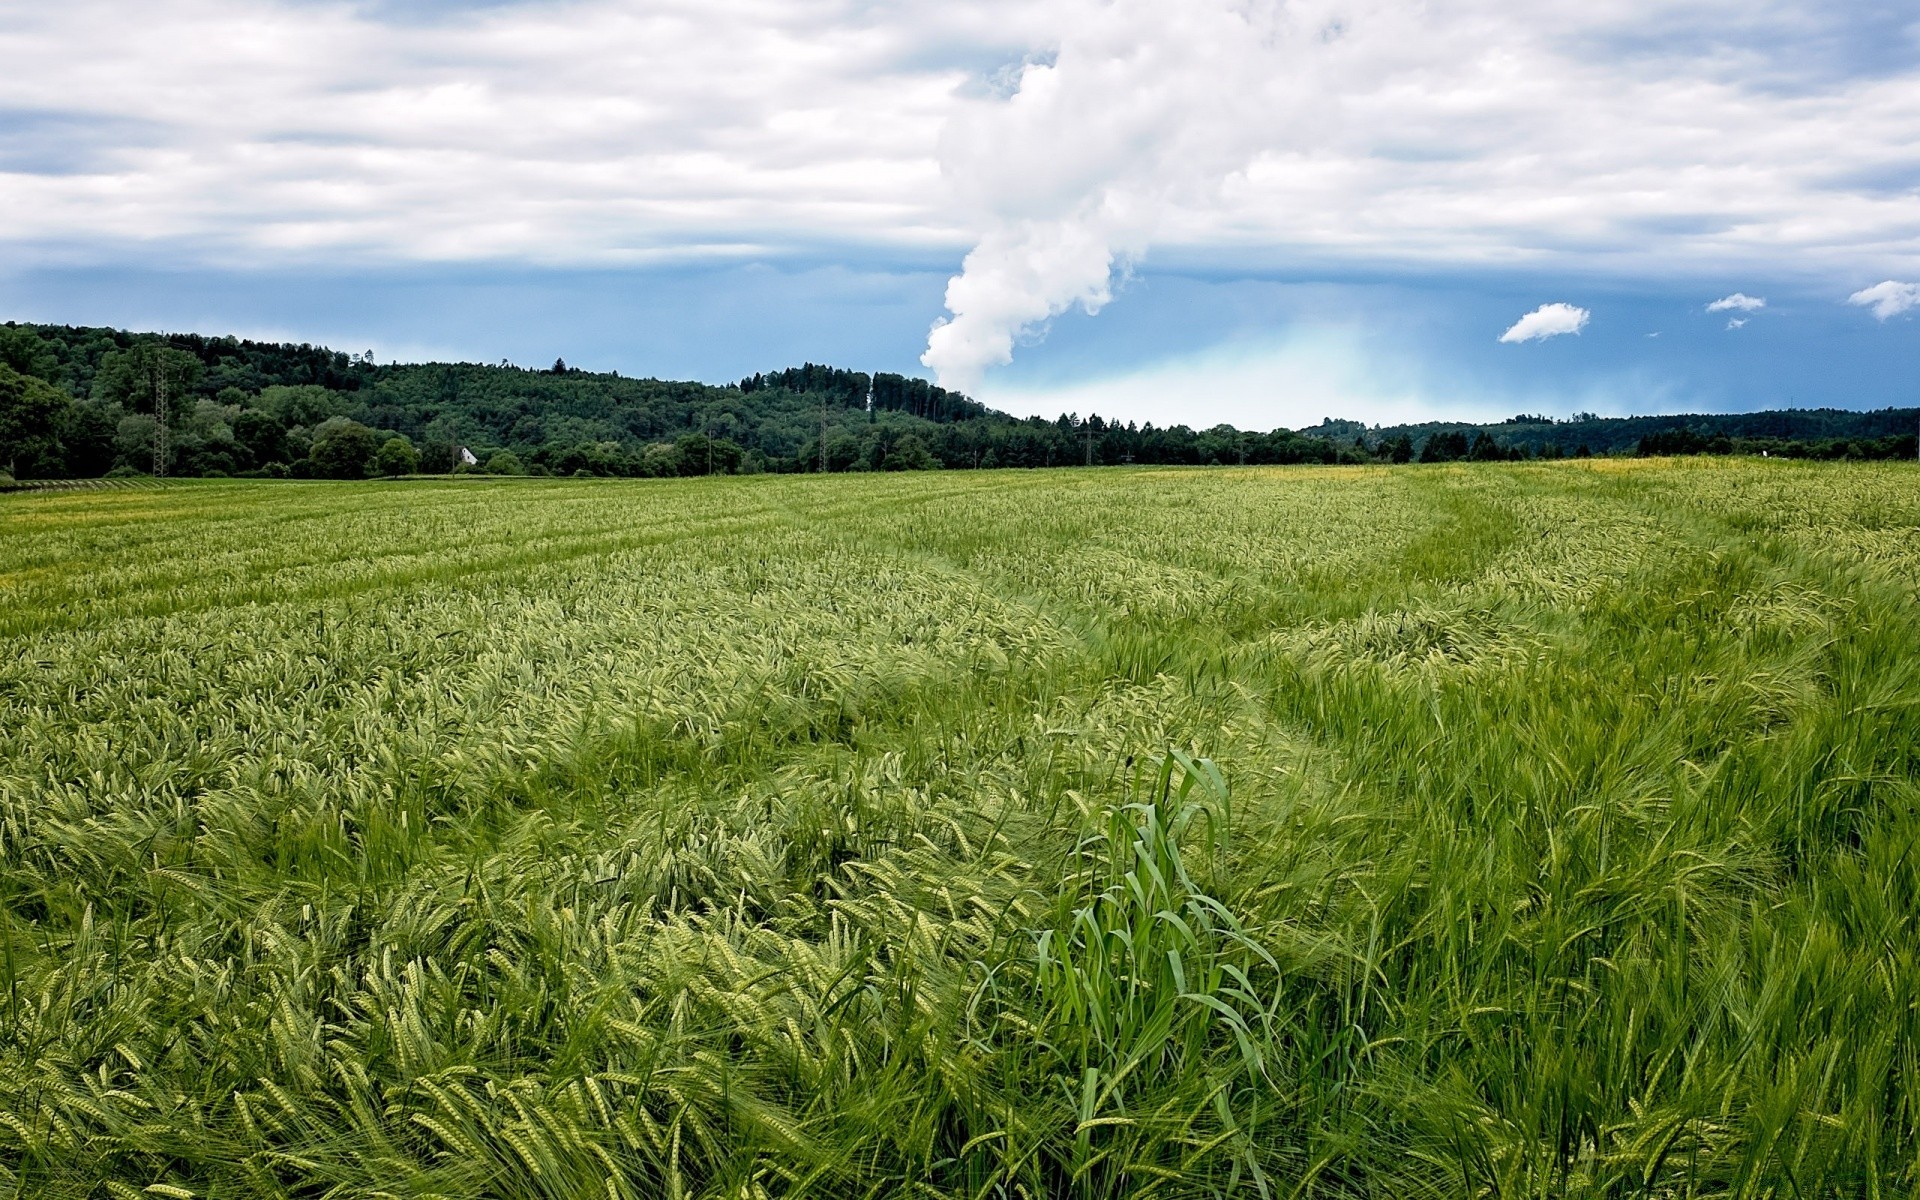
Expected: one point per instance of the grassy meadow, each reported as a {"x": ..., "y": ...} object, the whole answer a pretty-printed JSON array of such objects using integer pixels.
[{"x": 1505, "y": 830}]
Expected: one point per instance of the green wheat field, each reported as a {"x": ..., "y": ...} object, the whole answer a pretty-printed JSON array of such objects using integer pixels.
[{"x": 1492, "y": 830}]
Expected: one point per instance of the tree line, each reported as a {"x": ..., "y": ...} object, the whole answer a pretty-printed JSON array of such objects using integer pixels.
[{"x": 80, "y": 402}]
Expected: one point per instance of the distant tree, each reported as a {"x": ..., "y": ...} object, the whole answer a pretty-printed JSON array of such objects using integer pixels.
[
  {"x": 1397, "y": 449},
  {"x": 303, "y": 405},
  {"x": 1486, "y": 449},
  {"x": 844, "y": 452},
  {"x": 86, "y": 433},
  {"x": 661, "y": 459},
  {"x": 909, "y": 453},
  {"x": 31, "y": 413},
  {"x": 343, "y": 450},
  {"x": 505, "y": 462},
  {"x": 29, "y": 354},
  {"x": 396, "y": 457},
  {"x": 203, "y": 441},
  {"x": 133, "y": 441},
  {"x": 1678, "y": 440},
  {"x": 1450, "y": 446},
  {"x": 586, "y": 458},
  {"x": 262, "y": 436},
  {"x": 702, "y": 455},
  {"x": 135, "y": 376}
]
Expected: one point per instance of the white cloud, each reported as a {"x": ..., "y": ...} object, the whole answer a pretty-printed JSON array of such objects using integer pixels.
[
  {"x": 1140, "y": 117},
  {"x": 1738, "y": 302},
  {"x": 1549, "y": 320},
  {"x": 1016, "y": 279},
  {"x": 595, "y": 132},
  {"x": 1631, "y": 137},
  {"x": 1889, "y": 298},
  {"x": 1736, "y": 322}
]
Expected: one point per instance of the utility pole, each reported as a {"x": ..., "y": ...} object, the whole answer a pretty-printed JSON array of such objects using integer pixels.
[
  {"x": 1089, "y": 424},
  {"x": 823, "y": 438},
  {"x": 160, "y": 446}
]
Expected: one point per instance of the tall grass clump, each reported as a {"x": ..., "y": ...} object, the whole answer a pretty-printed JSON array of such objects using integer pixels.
[{"x": 1147, "y": 1000}]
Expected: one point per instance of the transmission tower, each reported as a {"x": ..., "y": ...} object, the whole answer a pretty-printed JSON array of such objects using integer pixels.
[{"x": 160, "y": 446}]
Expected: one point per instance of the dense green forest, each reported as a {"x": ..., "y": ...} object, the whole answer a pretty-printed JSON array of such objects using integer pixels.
[
  {"x": 1795, "y": 433},
  {"x": 82, "y": 402}
]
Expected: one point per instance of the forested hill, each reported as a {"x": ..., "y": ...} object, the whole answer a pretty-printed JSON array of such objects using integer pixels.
[
  {"x": 1824, "y": 432},
  {"x": 84, "y": 402},
  {"x": 78, "y": 401}
]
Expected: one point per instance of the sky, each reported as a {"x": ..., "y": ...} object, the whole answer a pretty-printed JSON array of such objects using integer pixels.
[{"x": 1183, "y": 211}]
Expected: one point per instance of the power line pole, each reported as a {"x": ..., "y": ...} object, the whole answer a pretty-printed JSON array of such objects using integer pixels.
[
  {"x": 823, "y": 439},
  {"x": 160, "y": 415}
]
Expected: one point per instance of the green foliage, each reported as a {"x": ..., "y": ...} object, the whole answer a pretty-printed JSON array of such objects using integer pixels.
[
  {"x": 1446, "y": 446},
  {"x": 25, "y": 352},
  {"x": 504, "y": 462},
  {"x": 1518, "y": 830},
  {"x": 699, "y": 454},
  {"x": 262, "y": 435},
  {"x": 397, "y": 456},
  {"x": 343, "y": 449},
  {"x": 306, "y": 405},
  {"x": 1684, "y": 440},
  {"x": 32, "y": 417},
  {"x": 1810, "y": 433},
  {"x": 908, "y": 453},
  {"x": 134, "y": 378},
  {"x": 1486, "y": 449},
  {"x": 663, "y": 459}
]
